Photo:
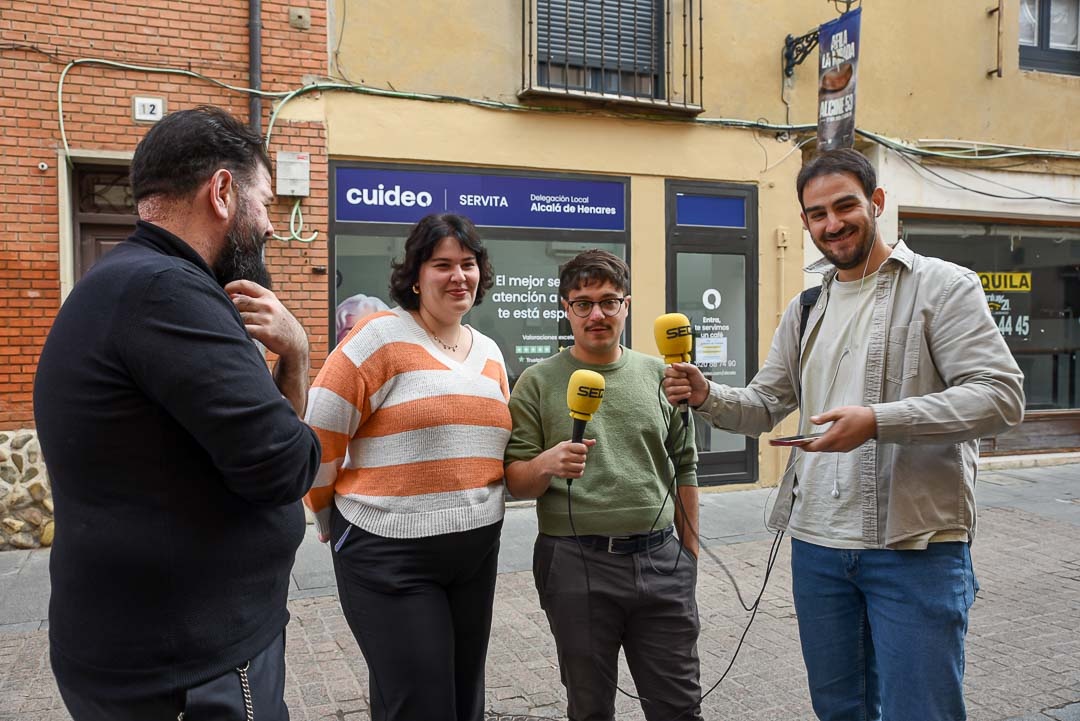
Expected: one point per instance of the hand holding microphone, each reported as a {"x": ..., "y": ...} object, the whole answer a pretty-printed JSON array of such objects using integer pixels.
[
  {"x": 685, "y": 383},
  {"x": 675, "y": 339},
  {"x": 583, "y": 395}
]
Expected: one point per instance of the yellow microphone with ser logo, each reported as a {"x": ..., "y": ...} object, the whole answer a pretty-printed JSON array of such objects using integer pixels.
[
  {"x": 583, "y": 396},
  {"x": 675, "y": 339}
]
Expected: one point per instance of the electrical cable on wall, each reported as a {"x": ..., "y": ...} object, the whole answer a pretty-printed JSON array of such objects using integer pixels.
[
  {"x": 973, "y": 151},
  {"x": 296, "y": 217},
  {"x": 976, "y": 151},
  {"x": 949, "y": 184},
  {"x": 296, "y": 224},
  {"x": 141, "y": 68}
]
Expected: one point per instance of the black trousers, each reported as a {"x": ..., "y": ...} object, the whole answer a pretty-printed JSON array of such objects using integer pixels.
[
  {"x": 219, "y": 699},
  {"x": 420, "y": 609},
  {"x": 644, "y": 602}
]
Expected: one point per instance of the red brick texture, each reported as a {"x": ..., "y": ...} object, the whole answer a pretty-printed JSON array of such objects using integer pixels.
[{"x": 37, "y": 40}]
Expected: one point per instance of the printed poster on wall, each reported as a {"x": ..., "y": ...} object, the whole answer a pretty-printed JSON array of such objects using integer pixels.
[
  {"x": 1009, "y": 298},
  {"x": 838, "y": 45}
]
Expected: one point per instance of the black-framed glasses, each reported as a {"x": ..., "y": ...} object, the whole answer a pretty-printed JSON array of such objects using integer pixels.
[{"x": 608, "y": 306}]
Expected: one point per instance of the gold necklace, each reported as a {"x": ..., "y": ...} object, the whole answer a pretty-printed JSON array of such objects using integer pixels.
[{"x": 452, "y": 348}]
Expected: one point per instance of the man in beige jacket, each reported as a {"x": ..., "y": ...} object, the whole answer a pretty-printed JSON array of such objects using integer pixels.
[{"x": 898, "y": 368}]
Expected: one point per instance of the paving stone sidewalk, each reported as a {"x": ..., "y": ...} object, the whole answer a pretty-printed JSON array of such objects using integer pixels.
[{"x": 1023, "y": 650}]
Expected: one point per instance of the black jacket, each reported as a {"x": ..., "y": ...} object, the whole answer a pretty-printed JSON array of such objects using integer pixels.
[{"x": 177, "y": 468}]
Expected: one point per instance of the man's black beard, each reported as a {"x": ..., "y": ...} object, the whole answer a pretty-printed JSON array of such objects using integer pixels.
[
  {"x": 241, "y": 258},
  {"x": 860, "y": 260}
]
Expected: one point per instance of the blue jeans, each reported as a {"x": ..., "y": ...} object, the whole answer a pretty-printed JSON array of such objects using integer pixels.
[{"x": 882, "y": 631}]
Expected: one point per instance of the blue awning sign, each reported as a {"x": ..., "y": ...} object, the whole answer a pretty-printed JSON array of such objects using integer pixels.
[{"x": 375, "y": 195}]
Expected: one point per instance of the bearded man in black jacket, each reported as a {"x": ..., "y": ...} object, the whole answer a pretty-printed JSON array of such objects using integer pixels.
[{"x": 177, "y": 460}]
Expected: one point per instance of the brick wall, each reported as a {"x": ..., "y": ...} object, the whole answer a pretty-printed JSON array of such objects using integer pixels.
[
  {"x": 295, "y": 265},
  {"x": 37, "y": 40}
]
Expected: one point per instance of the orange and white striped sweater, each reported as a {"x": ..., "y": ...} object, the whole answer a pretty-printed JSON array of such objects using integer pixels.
[{"x": 412, "y": 440}]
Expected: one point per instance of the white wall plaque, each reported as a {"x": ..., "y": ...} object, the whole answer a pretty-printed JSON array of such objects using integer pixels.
[{"x": 148, "y": 110}]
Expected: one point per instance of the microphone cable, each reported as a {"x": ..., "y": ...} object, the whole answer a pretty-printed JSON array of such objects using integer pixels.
[
  {"x": 774, "y": 551},
  {"x": 674, "y": 466},
  {"x": 588, "y": 601},
  {"x": 588, "y": 584},
  {"x": 581, "y": 412}
]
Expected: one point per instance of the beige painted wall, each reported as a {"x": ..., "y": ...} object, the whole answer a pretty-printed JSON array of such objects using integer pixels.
[
  {"x": 922, "y": 70},
  {"x": 466, "y": 47},
  {"x": 923, "y": 74}
]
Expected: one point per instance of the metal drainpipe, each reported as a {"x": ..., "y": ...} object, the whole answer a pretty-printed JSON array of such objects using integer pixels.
[{"x": 255, "y": 63}]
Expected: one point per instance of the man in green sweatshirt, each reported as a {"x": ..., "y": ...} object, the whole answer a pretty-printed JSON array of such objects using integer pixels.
[{"x": 631, "y": 581}]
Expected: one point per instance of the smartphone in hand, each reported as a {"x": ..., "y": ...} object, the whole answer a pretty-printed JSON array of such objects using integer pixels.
[{"x": 795, "y": 440}]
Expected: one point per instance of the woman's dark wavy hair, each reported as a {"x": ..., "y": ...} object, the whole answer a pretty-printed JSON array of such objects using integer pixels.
[
  {"x": 419, "y": 246},
  {"x": 185, "y": 148}
]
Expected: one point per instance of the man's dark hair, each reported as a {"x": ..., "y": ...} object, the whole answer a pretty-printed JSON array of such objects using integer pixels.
[
  {"x": 185, "y": 148},
  {"x": 830, "y": 162},
  {"x": 593, "y": 266},
  {"x": 419, "y": 247}
]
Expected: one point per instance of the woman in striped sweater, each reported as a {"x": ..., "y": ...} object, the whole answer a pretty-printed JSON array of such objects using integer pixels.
[{"x": 411, "y": 411}]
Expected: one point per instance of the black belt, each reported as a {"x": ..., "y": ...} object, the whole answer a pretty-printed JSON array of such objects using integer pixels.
[{"x": 627, "y": 544}]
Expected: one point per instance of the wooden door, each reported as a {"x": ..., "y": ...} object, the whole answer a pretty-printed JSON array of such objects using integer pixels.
[{"x": 97, "y": 240}]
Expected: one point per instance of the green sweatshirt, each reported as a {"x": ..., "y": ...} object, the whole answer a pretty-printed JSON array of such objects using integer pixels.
[{"x": 627, "y": 474}]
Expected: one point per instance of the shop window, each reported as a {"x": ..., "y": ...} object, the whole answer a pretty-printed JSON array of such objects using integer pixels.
[
  {"x": 530, "y": 225},
  {"x": 1031, "y": 276},
  {"x": 1050, "y": 35},
  {"x": 521, "y": 313}
]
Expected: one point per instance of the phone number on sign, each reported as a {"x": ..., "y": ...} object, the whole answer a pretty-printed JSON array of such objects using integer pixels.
[{"x": 1007, "y": 326}]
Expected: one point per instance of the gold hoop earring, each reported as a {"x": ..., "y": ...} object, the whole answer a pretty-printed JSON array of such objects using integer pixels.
[{"x": 416, "y": 289}]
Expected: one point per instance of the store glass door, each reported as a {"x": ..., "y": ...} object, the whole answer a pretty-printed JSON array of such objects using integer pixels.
[{"x": 712, "y": 279}]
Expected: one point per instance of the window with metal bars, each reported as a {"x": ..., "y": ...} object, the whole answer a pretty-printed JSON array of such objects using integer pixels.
[{"x": 602, "y": 46}]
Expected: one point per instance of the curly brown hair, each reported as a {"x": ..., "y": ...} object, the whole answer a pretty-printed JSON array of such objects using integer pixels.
[{"x": 593, "y": 266}]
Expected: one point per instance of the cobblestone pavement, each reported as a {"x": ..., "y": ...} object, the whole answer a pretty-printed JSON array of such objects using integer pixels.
[{"x": 1023, "y": 649}]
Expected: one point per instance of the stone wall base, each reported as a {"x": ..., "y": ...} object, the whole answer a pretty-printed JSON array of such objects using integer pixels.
[{"x": 26, "y": 505}]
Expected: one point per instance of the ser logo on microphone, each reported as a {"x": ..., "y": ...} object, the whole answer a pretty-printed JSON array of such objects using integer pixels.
[
  {"x": 678, "y": 332},
  {"x": 587, "y": 392}
]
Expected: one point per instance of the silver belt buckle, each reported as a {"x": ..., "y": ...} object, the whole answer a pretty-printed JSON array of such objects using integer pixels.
[{"x": 611, "y": 542}]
